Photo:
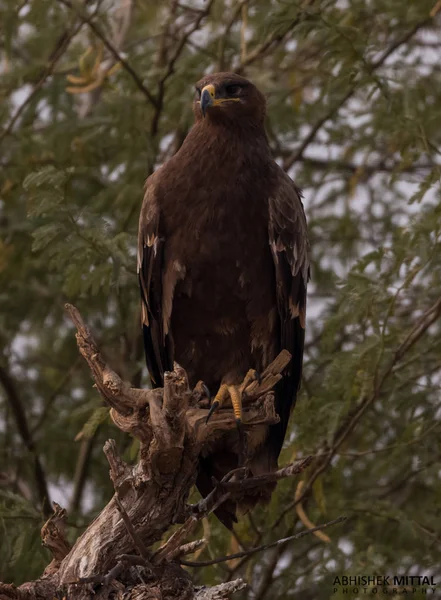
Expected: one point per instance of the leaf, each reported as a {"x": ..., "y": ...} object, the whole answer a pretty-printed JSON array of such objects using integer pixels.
[
  {"x": 89, "y": 428},
  {"x": 47, "y": 176},
  {"x": 45, "y": 235},
  {"x": 428, "y": 182}
]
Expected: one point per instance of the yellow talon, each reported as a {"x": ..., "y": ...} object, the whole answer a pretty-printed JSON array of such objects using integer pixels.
[{"x": 250, "y": 377}]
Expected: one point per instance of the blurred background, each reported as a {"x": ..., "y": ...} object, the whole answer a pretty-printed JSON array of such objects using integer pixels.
[{"x": 95, "y": 95}]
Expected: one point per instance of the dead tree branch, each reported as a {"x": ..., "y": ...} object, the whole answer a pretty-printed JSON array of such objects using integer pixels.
[
  {"x": 113, "y": 556},
  {"x": 215, "y": 561}
]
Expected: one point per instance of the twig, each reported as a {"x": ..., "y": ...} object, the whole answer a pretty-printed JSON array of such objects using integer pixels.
[
  {"x": 259, "y": 480},
  {"x": 352, "y": 419},
  {"x": 263, "y": 547},
  {"x": 130, "y": 530},
  {"x": 223, "y": 38},
  {"x": 21, "y": 421},
  {"x": 60, "y": 50},
  {"x": 188, "y": 548},
  {"x": 208, "y": 504},
  {"x": 171, "y": 65},
  {"x": 111, "y": 48},
  {"x": 120, "y": 24},
  {"x": 243, "y": 32},
  {"x": 275, "y": 38},
  {"x": 297, "y": 155},
  {"x": 221, "y": 591},
  {"x": 232, "y": 485},
  {"x": 82, "y": 466}
]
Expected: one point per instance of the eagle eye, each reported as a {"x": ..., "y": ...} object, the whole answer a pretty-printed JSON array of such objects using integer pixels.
[
  {"x": 233, "y": 90},
  {"x": 198, "y": 93}
]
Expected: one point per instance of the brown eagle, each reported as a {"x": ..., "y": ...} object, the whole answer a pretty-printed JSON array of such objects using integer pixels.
[{"x": 223, "y": 267}]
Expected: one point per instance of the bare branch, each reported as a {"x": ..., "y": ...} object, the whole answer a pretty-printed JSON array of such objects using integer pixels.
[
  {"x": 352, "y": 419},
  {"x": 56, "y": 55},
  {"x": 263, "y": 547},
  {"x": 113, "y": 51},
  {"x": 171, "y": 65},
  {"x": 82, "y": 466},
  {"x": 21, "y": 421},
  {"x": 220, "y": 592},
  {"x": 297, "y": 154}
]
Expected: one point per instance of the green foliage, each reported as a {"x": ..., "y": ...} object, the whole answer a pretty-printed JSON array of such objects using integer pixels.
[{"x": 363, "y": 77}]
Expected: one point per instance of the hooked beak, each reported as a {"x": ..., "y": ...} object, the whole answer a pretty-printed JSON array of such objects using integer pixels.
[{"x": 208, "y": 96}]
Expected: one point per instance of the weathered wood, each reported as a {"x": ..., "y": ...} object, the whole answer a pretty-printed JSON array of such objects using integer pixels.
[
  {"x": 53, "y": 537},
  {"x": 152, "y": 495}
]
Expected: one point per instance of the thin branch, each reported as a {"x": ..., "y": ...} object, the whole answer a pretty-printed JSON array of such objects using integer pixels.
[
  {"x": 111, "y": 48},
  {"x": 82, "y": 466},
  {"x": 171, "y": 66},
  {"x": 61, "y": 48},
  {"x": 50, "y": 401},
  {"x": 273, "y": 39},
  {"x": 364, "y": 170},
  {"x": 17, "y": 409},
  {"x": 263, "y": 547},
  {"x": 223, "y": 38},
  {"x": 353, "y": 418},
  {"x": 222, "y": 591},
  {"x": 130, "y": 529},
  {"x": 243, "y": 32},
  {"x": 297, "y": 154}
]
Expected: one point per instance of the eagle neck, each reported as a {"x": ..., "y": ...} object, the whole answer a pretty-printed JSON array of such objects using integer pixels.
[{"x": 226, "y": 141}]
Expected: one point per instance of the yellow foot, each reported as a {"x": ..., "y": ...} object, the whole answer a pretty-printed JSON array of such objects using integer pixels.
[
  {"x": 235, "y": 393},
  {"x": 250, "y": 377}
]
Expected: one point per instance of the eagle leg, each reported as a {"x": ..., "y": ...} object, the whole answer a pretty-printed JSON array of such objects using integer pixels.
[
  {"x": 236, "y": 400},
  {"x": 219, "y": 399}
]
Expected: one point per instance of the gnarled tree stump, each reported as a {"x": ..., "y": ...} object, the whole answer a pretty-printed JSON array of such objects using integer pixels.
[{"x": 113, "y": 557}]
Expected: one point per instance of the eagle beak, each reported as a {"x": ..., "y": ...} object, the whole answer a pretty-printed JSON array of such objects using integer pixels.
[{"x": 208, "y": 96}]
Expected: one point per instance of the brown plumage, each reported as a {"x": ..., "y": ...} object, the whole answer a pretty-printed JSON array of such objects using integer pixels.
[{"x": 223, "y": 265}]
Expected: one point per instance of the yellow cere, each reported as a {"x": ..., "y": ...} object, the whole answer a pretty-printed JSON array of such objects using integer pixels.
[{"x": 210, "y": 89}]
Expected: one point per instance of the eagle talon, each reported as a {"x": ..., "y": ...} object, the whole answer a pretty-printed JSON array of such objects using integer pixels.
[
  {"x": 212, "y": 410},
  {"x": 202, "y": 395},
  {"x": 206, "y": 391},
  {"x": 250, "y": 378}
]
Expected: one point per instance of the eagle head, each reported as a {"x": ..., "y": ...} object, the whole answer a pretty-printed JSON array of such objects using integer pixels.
[{"x": 230, "y": 96}]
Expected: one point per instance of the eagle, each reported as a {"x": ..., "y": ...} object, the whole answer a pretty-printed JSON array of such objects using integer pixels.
[{"x": 223, "y": 266}]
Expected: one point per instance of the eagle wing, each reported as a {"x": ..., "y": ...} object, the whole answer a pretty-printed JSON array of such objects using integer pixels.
[
  {"x": 151, "y": 242},
  {"x": 289, "y": 245}
]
